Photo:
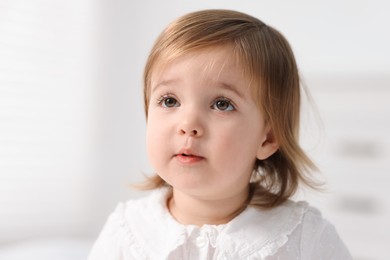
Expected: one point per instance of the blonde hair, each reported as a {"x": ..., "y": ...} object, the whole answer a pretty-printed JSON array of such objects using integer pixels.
[{"x": 267, "y": 58}]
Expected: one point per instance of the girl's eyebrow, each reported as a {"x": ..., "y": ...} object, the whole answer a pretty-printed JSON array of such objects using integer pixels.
[
  {"x": 219, "y": 84},
  {"x": 164, "y": 83},
  {"x": 231, "y": 88}
]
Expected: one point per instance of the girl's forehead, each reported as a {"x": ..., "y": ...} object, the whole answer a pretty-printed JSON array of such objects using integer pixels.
[{"x": 215, "y": 59}]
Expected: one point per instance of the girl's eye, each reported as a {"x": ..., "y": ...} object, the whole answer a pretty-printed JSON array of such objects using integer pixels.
[
  {"x": 223, "y": 105},
  {"x": 168, "y": 102}
]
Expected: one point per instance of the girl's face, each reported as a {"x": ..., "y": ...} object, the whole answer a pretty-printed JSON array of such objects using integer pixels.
[{"x": 204, "y": 130}]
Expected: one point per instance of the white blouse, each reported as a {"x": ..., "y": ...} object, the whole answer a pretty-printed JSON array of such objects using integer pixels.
[{"x": 144, "y": 229}]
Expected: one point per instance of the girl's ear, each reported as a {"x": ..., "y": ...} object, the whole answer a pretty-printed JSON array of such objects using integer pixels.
[{"x": 268, "y": 147}]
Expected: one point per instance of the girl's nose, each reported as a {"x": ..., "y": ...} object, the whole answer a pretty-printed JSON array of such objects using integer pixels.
[
  {"x": 190, "y": 126},
  {"x": 193, "y": 132}
]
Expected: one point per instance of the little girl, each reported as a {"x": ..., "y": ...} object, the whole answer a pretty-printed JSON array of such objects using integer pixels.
[{"x": 222, "y": 101}]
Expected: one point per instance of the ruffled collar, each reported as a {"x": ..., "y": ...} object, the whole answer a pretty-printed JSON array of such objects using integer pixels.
[{"x": 254, "y": 233}]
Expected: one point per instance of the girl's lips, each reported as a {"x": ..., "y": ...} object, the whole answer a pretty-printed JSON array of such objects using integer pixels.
[{"x": 188, "y": 159}]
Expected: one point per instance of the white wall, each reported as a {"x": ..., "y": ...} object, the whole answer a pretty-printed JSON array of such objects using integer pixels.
[
  {"x": 72, "y": 124},
  {"x": 47, "y": 117}
]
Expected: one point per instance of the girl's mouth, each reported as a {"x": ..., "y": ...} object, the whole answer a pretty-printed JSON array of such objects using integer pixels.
[{"x": 188, "y": 158}]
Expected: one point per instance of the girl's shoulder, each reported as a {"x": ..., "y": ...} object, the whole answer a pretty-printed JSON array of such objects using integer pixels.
[
  {"x": 134, "y": 223},
  {"x": 293, "y": 229},
  {"x": 137, "y": 214},
  {"x": 130, "y": 226},
  {"x": 146, "y": 207}
]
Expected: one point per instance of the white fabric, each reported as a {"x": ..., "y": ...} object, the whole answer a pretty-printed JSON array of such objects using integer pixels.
[{"x": 144, "y": 229}]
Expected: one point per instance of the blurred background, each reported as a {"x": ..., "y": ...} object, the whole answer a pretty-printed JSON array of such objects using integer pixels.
[{"x": 72, "y": 127}]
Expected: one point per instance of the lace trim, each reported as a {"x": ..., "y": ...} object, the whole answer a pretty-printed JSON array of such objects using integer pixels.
[
  {"x": 273, "y": 245},
  {"x": 134, "y": 246},
  {"x": 267, "y": 249},
  {"x": 131, "y": 244}
]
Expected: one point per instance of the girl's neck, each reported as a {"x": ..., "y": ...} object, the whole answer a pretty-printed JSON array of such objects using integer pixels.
[{"x": 190, "y": 210}]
